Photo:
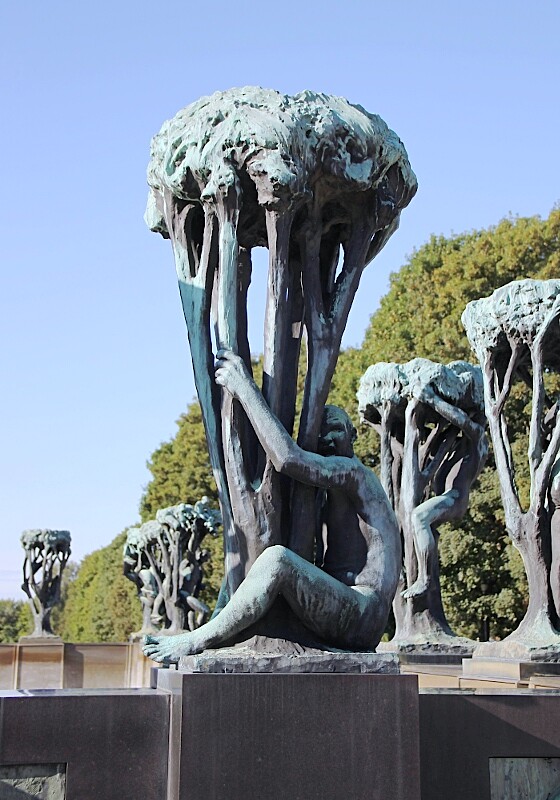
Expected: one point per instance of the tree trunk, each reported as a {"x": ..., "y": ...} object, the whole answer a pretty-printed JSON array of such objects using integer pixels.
[
  {"x": 420, "y": 619},
  {"x": 537, "y": 626}
]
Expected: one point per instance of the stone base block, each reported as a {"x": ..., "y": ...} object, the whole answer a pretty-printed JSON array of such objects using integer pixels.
[
  {"x": 519, "y": 651},
  {"x": 545, "y": 682},
  {"x": 236, "y": 660},
  {"x": 40, "y": 663},
  {"x": 8, "y": 664},
  {"x": 103, "y": 665},
  {"x": 113, "y": 745},
  {"x": 451, "y": 650},
  {"x": 293, "y": 737},
  {"x": 434, "y": 676},
  {"x": 464, "y": 733},
  {"x": 507, "y": 669}
]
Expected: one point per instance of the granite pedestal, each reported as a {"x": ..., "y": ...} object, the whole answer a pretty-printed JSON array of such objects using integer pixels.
[
  {"x": 293, "y": 736},
  {"x": 110, "y": 744},
  {"x": 465, "y": 737}
]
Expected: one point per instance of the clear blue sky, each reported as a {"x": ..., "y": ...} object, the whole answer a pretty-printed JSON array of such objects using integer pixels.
[{"x": 94, "y": 361}]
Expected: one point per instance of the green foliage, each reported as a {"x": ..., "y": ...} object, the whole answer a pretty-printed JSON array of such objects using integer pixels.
[
  {"x": 481, "y": 573},
  {"x": 101, "y": 604},
  {"x": 181, "y": 468},
  {"x": 182, "y": 474},
  {"x": 482, "y": 576},
  {"x": 213, "y": 569},
  {"x": 68, "y": 576},
  {"x": 15, "y": 620},
  {"x": 421, "y": 314}
]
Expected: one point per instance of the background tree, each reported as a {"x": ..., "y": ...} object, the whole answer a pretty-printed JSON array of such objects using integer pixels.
[
  {"x": 68, "y": 577},
  {"x": 514, "y": 333},
  {"x": 180, "y": 468},
  {"x": 15, "y": 620},
  {"x": 101, "y": 605},
  {"x": 481, "y": 574},
  {"x": 182, "y": 473},
  {"x": 431, "y": 423},
  {"x": 46, "y": 554}
]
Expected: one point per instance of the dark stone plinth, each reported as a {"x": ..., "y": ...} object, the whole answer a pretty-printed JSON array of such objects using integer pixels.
[
  {"x": 451, "y": 650},
  {"x": 115, "y": 743},
  {"x": 293, "y": 737},
  {"x": 460, "y": 731},
  {"x": 247, "y": 659}
]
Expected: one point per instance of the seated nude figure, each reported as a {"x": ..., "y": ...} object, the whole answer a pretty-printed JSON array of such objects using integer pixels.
[{"x": 346, "y": 601}]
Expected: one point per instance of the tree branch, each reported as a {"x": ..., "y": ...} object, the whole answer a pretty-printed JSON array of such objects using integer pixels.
[
  {"x": 278, "y": 316},
  {"x": 443, "y": 450},
  {"x": 387, "y": 452},
  {"x": 502, "y": 449},
  {"x": 227, "y": 209},
  {"x": 508, "y": 377},
  {"x": 544, "y": 471},
  {"x": 537, "y": 409}
]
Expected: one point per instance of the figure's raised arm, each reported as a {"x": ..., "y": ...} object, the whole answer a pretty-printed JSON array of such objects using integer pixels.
[
  {"x": 451, "y": 413},
  {"x": 286, "y": 456}
]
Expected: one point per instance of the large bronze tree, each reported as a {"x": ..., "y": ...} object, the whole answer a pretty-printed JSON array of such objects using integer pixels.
[
  {"x": 515, "y": 333},
  {"x": 430, "y": 419},
  {"x": 320, "y": 183}
]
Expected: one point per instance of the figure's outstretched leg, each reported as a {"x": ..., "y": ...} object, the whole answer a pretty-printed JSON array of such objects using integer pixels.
[
  {"x": 435, "y": 510},
  {"x": 326, "y": 606}
]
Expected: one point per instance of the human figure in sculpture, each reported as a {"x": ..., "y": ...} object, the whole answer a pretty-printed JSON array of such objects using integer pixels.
[
  {"x": 346, "y": 601},
  {"x": 452, "y": 484}
]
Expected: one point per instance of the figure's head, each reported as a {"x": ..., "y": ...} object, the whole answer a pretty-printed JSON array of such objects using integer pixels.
[{"x": 338, "y": 434}]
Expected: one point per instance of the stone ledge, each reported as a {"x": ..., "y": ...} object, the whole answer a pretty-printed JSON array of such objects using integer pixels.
[
  {"x": 268, "y": 656},
  {"x": 519, "y": 651}
]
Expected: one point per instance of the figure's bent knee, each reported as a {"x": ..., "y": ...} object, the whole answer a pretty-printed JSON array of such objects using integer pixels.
[
  {"x": 273, "y": 561},
  {"x": 276, "y": 553}
]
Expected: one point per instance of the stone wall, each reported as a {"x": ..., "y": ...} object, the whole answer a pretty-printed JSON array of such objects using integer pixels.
[
  {"x": 281, "y": 737},
  {"x": 53, "y": 664}
]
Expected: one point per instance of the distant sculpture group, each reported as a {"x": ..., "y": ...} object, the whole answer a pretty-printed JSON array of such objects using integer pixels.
[
  {"x": 431, "y": 422},
  {"x": 516, "y": 336},
  {"x": 164, "y": 558},
  {"x": 46, "y": 554},
  {"x": 312, "y": 541}
]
